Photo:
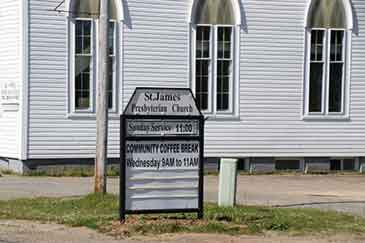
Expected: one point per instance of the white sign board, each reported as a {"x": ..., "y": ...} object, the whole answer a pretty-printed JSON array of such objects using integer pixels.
[
  {"x": 161, "y": 153},
  {"x": 162, "y": 175},
  {"x": 166, "y": 102},
  {"x": 150, "y": 127}
]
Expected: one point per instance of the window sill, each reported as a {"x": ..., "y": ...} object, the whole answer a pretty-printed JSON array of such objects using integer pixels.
[
  {"x": 90, "y": 116},
  {"x": 326, "y": 118},
  {"x": 210, "y": 117}
]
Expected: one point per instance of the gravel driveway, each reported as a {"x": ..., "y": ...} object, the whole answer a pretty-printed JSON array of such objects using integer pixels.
[{"x": 336, "y": 192}]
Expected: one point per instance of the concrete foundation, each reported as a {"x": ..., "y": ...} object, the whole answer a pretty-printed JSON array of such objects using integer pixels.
[
  {"x": 211, "y": 165},
  {"x": 317, "y": 165},
  {"x": 4, "y": 164},
  {"x": 14, "y": 165},
  {"x": 361, "y": 164},
  {"x": 262, "y": 165}
]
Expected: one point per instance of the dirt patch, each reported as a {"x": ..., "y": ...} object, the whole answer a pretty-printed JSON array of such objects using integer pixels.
[
  {"x": 268, "y": 238},
  {"x": 151, "y": 226},
  {"x": 33, "y": 232}
]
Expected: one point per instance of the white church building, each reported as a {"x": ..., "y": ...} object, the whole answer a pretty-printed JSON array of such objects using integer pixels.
[{"x": 281, "y": 83}]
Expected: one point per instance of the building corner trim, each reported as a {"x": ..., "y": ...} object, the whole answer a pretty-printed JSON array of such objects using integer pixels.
[{"x": 24, "y": 8}]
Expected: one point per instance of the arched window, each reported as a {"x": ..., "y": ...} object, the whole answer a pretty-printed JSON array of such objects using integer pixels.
[
  {"x": 84, "y": 15},
  {"x": 215, "y": 31},
  {"x": 91, "y": 8},
  {"x": 214, "y": 12},
  {"x": 327, "y": 14},
  {"x": 329, "y": 24}
]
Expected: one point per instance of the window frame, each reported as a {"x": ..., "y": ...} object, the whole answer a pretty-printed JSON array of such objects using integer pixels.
[
  {"x": 212, "y": 111},
  {"x": 231, "y": 79},
  {"x": 72, "y": 110},
  {"x": 211, "y": 66},
  {"x": 324, "y": 62},
  {"x": 93, "y": 73},
  {"x": 344, "y": 44},
  {"x": 114, "y": 65},
  {"x": 345, "y": 93}
]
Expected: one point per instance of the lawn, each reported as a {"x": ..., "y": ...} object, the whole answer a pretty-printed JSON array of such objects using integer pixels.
[{"x": 101, "y": 213}]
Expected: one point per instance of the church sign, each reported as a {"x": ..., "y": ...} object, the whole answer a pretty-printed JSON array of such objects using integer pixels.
[{"x": 161, "y": 153}]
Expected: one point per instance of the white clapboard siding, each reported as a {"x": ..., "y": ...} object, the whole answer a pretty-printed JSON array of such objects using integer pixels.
[
  {"x": 10, "y": 71},
  {"x": 155, "y": 47},
  {"x": 271, "y": 91},
  {"x": 52, "y": 134},
  {"x": 156, "y": 51}
]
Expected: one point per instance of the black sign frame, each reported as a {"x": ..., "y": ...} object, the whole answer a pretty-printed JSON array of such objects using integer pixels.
[{"x": 124, "y": 138}]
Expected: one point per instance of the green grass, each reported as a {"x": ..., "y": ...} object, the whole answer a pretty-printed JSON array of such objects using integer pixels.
[
  {"x": 101, "y": 213},
  {"x": 90, "y": 211},
  {"x": 6, "y": 172},
  {"x": 112, "y": 171}
]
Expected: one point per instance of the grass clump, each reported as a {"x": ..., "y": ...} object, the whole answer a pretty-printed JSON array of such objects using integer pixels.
[
  {"x": 91, "y": 211},
  {"x": 100, "y": 212},
  {"x": 6, "y": 172},
  {"x": 298, "y": 221}
]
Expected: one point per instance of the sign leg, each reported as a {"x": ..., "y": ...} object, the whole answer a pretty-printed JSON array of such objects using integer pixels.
[
  {"x": 122, "y": 217},
  {"x": 200, "y": 214}
]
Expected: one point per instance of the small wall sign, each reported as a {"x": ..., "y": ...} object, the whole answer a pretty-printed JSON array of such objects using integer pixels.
[
  {"x": 161, "y": 153},
  {"x": 9, "y": 96}
]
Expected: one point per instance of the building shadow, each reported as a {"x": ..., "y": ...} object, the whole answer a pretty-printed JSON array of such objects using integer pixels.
[{"x": 126, "y": 14}]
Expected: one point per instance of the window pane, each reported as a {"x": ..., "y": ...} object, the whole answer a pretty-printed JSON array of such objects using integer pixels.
[
  {"x": 110, "y": 82},
  {"x": 83, "y": 37},
  {"x": 223, "y": 80},
  {"x": 86, "y": 45},
  {"x": 224, "y": 42},
  {"x": 202, "y": 68},
  {"x": 86, "y": 29},
  {"x": 82, "y": 82},
  {"x": 335, "y": 89},
  {"x": 223, "y": 84},
  {"x": 201, "y": 83},
  {"x": 223, "y": 94},
  {"x": 222, "y": 101},
  {"x": 203, "y": 35},
  {"x": 111, "y": 63},
  {"x": 337, "y": 37},
  {"x": 78, "y": 44},
  {"x": 202, "y": 101},
  {"x": 78, "y": 28},
  {"x": 111, "y": 38},
  {"x": 224, "y": 67},
  {"x": 317, "y": 44},
  {"x": 315, "y": 87},
  {"x": 203, "y": 42}
]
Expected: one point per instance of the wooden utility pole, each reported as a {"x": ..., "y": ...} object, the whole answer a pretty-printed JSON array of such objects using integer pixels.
[{"x": 101, "y": 100}]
